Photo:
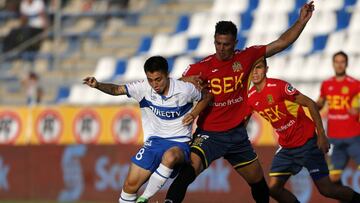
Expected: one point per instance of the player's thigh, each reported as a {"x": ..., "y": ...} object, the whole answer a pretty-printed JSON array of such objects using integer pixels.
[
  {"x": 314, "y": 161},
  {"x": 136, "y": 177},
  {"x": 252, "y": 172},
  {"x": 207, "y": 146},
  {"x": 196, "y": 162}
]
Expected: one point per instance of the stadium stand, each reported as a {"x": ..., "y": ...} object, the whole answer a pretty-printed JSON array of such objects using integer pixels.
[{"x": 112, "y": 42}]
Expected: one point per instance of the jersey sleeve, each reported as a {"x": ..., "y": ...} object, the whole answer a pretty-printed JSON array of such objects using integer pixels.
[
  {"x": 288, "y": 91},
  {"x": 136, "y": 89},
  {"x": 322, "y": 90},
  {"x": 194, "y": 94},
  {"x": 256, "y": 52},
  {"x": 192, "y": 69}
]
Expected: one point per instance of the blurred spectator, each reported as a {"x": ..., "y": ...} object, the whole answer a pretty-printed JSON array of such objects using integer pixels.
[
  {"x": 34, "y": 91},
  {"x": 33, "y": 22}
]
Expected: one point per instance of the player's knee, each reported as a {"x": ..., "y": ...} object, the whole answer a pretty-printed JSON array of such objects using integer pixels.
[{"x": 172, "y": 157}]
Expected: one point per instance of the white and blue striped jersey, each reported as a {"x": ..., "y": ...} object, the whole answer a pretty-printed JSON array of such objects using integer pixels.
[{"x": 162, "y": 115}]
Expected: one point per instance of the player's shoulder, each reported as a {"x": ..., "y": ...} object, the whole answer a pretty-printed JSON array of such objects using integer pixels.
[
  {"x": 351, "y": 79},
  {"x": 138, "y": 83},
  {"x": 205, "y": 61},
  {"x": 274, "y": 82},
  {"x": 329, "y": 80},
  {"x": 199, "y": 66},
  {"x": 180, "y": 83},
  {"x": 181, "y": 86},
  {"x": 249, "y": 49}
]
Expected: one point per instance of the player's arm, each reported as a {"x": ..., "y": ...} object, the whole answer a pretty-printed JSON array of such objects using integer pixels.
[
  {"x": 207, "y": 97},
  {"x": 107, "y": 88},
  {"x": 320, "y": 102},
  {"x": 290, "y": 35},
  {"x": 322, "y": 141}
]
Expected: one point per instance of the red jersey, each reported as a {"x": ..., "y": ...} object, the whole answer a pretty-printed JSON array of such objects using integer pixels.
[
  {"x": 276, "y": 104},
  {"x": 340, "y": 96},
  {"x": 229, "y": 83}
]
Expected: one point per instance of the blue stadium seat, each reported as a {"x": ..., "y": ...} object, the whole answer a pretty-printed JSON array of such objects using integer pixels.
[
  {"x": 170, "y": 61},
  {"x": 241, "y": 41},
  {"x": 253, "y": 4},
  {"x": 300, "y": 3},
  {"x": 343, "y": 19},
  {"x": 246, "y": 20},
  {"x": 319, "y": 43},
  {"x": 293, "y": 16},
  {"x": 349, "y": 2},
  {"x": 62, "y": 94},
  {"x": 145, "y": 44},
  {"x": 183, "y": 24},
  {"x": 120, "y": 67},
  {"x": 193, "y": 43}
]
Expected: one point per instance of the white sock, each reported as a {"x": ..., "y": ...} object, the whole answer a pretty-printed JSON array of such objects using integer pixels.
[
  {"x": 157, "y": 180},
  {"x": 127, "y": 198}
]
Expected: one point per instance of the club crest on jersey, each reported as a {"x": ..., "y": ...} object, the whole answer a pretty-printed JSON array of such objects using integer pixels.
[
  {"x": 237, "y": 67},
  {"x": 345, "y": 90},
  {"x": 289, "y": 89},
  {"x": 270, "y": 99}
]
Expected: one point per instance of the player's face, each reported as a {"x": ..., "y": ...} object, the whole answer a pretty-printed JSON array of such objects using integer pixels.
[
  {"x": 259, "y": 73},
  {"x": 225, "y": 46},
  {"x": 159, "y": 81},
  {"x": 339, "y": 64}
]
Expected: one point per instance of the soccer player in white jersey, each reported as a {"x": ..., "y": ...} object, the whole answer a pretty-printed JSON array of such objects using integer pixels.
[{"x": 167, "y": 114}]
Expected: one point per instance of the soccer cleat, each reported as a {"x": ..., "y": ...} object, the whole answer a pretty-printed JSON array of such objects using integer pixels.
[{"x": 141, "y": 200}]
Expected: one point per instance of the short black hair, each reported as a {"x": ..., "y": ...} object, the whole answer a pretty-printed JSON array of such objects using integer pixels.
[
  {"x": 225, "y": 28},
  {"x": 156, "y": 63},
  {"x": 341, "y": 53}
]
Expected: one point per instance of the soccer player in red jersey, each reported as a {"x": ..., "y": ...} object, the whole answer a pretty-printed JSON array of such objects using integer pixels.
[
  {"x": 340, "y": 93},
  {"x": 300, "y": 144},
  {"x": 221, "y": 128}
]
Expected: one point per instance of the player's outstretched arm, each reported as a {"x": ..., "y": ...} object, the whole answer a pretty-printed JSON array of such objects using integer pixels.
[
  {"x": 322, "y": 141},
  {"x": 200, "y": 106},
  {"x": 290, "y": 35},
  {"x": 107, "y": 88}
]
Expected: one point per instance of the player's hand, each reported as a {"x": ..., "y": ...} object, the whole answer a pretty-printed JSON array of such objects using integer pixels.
[
  {"x": 188, "y": 119},
  {"x": 306, "y": 12},
  {"x": 195, "y": 80},
  {"x": 323, "y": 143},
  {"x": 90, "y": 81}
]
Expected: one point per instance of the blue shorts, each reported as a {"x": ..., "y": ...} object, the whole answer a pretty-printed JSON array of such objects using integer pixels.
[
  {"x": 150, "y": 155},
  {"x": 289, "y": 161},
  {"x": 233, "y": 145},
  {"x": 343, "y": 150}
]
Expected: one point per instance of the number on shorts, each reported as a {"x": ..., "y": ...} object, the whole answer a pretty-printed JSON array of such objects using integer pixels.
[{"x": 139, "y": 155}]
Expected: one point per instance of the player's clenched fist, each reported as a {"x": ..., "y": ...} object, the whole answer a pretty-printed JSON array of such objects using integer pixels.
[{"x": 91, "y": 81}]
